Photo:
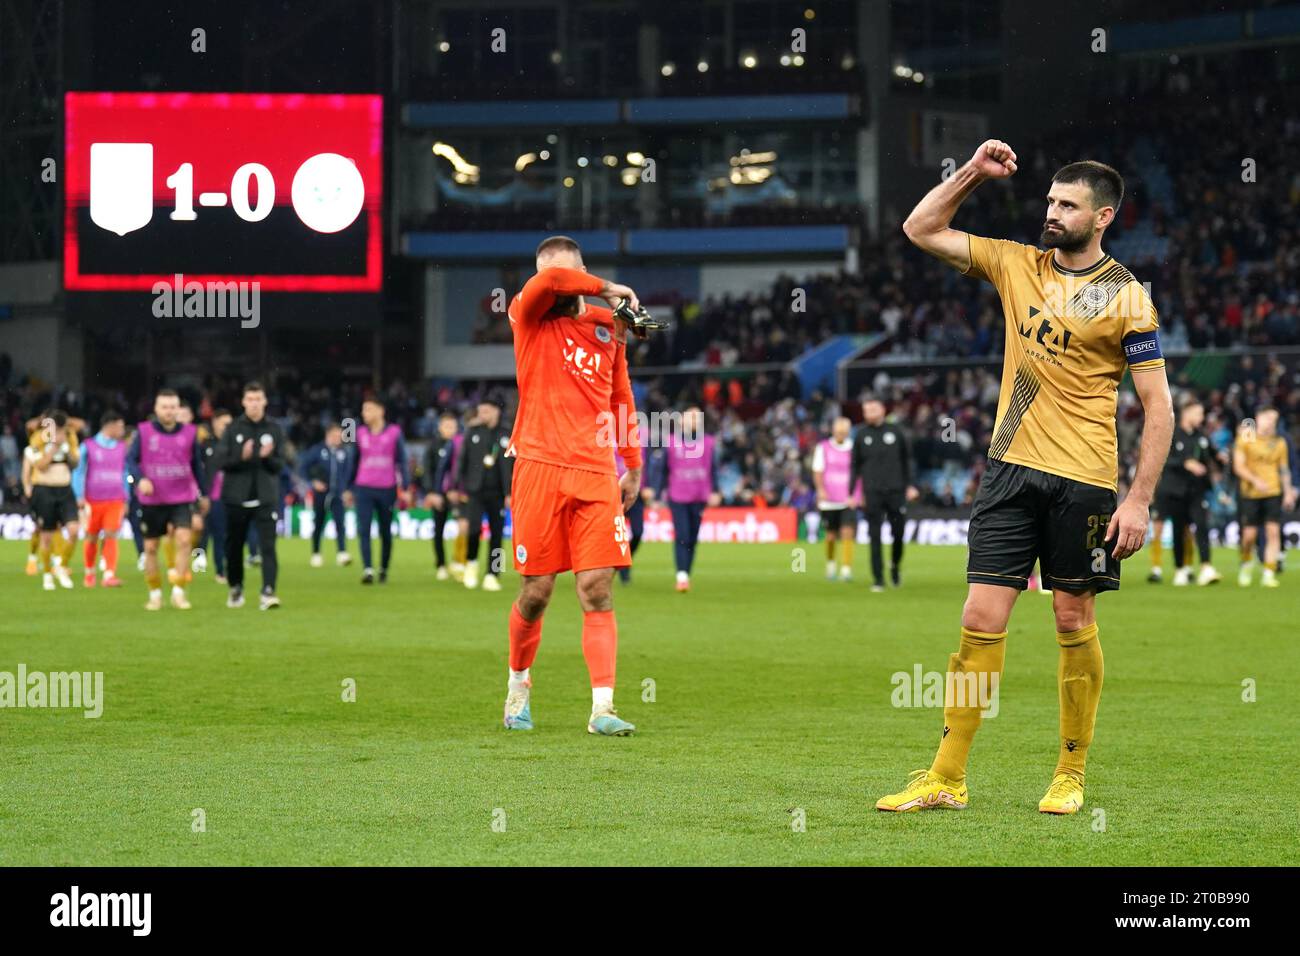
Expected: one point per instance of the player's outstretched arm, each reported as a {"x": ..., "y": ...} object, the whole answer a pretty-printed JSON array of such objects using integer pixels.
[
  {"x": 1128, "y": 526},
  {"x": 928, "y": 226}
]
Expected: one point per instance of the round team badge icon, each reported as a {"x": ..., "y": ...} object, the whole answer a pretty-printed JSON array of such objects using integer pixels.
[
  {"x": 1094, "y": 296},
  {"x": 602, "y": 333},
  {"x": 521, "y": 554}
]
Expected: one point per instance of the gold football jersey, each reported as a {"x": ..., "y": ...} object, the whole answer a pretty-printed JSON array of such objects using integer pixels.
[
  {"x": 1265, "y": 459},
  {"x": 1069, "y": 335}
]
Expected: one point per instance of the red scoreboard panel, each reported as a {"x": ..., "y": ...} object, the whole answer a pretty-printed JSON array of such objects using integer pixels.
[{"x": 281, "y": 189}]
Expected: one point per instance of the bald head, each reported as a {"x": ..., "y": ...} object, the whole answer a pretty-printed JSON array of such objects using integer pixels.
[{"x": 559, "y": 251}]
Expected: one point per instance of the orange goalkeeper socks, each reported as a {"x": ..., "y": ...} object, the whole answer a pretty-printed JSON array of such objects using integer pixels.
[
  {"x": 525, "y": 636},
  {"x": 600, "y": 646}
]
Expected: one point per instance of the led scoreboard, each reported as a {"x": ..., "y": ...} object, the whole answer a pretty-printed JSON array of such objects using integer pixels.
[{"x": 281, "y": 189}]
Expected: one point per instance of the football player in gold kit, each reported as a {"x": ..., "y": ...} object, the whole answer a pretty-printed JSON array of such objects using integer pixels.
[{"x": 1075, "y": 319}]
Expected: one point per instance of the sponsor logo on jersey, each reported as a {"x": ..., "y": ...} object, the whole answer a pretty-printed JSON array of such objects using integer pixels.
[{"x": 579, "y": 361}]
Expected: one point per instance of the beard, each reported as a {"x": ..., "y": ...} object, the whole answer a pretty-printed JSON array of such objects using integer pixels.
[{"x": 1065, "y": 240}]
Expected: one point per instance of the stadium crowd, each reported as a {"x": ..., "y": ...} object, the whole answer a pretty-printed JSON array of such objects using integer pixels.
[
  {"x": 766, "y": 432},
  {"x": 1214, "y": 234}
]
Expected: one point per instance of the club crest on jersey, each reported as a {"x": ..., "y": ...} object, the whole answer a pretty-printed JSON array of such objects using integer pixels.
[
  {"x": 602, "y": 333},
  {"x": 521, "y": 554},
  {"x": 579, "y": 361},
  {"x": 1094, "y": 297}
]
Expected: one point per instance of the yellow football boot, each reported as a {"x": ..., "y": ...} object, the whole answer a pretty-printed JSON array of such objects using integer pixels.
[
  {"x": 926, "y": 791},
  {"x": 1065, "y": 795}
]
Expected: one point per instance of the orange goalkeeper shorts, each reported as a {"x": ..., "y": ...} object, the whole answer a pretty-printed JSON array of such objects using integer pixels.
[
  {"x": 566, "y": 519},
  {"x": 105, "y": 516}
]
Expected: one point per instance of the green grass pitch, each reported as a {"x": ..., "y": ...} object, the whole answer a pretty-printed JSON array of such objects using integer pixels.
[{"x": 772, "y": 699}]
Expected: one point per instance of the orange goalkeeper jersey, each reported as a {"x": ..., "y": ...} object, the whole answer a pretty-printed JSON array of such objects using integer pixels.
[{"x": 575, "y": 397}]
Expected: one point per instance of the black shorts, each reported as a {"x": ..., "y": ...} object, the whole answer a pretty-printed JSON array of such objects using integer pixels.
[
  {"x": 837, "y": 519},
  {"x": 890, "y": 503},
  {"x": 53, "y": 507},
  {"x": 1188, "y": 506},
  {"x": 154, "y": 520},
  {"x": 1256, "y": 511},
  {"x": 1022, "y": 514}
]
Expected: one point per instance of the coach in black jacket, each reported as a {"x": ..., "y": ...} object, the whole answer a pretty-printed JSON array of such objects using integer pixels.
[
  {"x": 483, "y": 473},
  {"x": 251, "y": 452},
  {"x": 882, "y": 460}
]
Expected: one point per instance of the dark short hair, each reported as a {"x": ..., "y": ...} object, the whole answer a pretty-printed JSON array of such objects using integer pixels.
[
  {"x": 58, "y": 416},
  {"x": 167, "y": 393},
  {"x": 253, "y": 387},
  {"x": 109, "y": 417},
  {"x": 563, "y": 243},
  {"x": 1106, "y": 183},
  {"x": 221, "y": 412},
  {"x": 332, "y": 426},
  {"x": 448, "y": 413},
  {"x": 373, "y": 400}
]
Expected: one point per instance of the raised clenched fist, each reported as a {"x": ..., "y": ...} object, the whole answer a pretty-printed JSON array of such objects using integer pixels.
[{"x": 994, "y": 159}]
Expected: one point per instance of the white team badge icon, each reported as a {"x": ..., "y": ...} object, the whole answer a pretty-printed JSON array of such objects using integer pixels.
[
  {"x": 602, "y": 333},
  {"x": 889, "y": 438},
  {"x": 121, "y": 186},
  {"x": 1094, "y": 296},
  {"x": 521, "y": 554}
]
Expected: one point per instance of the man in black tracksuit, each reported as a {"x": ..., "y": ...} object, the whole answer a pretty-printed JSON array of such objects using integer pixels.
[
  {"x": 882, "y": 459},
  {"x": 251, "y": 454},
  {"x": 326, "y": 466},
  {"x": 1180, "y": 495},
  {"x": 484, "y": 476},
  {"x": 436, "y": 480}
]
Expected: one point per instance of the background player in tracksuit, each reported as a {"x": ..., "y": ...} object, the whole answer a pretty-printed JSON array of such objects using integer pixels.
[
  {"x": 832, "y": 470},
  {"x": 101, "y": 488},
  {"x": 166, "y": 467},
  {"x": 215, "y": 527},
  {"x": 436, "y": 480},
  {"x": 484, "y": 474},
  {"x": 690, "y": 477},
  {"x": 326, "y": 466},
  {"x": 1180, "y": 496},
  {"x": 378, "y": 464},
  {"x": 882, "y": 461},
  {"x": 251, "y": 455}
]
